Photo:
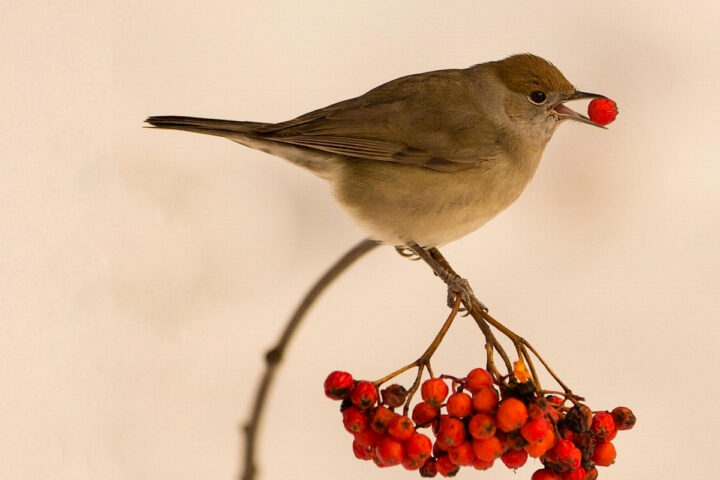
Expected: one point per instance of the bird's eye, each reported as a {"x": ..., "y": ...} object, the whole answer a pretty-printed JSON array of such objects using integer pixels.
[{"x": 537, "y": 97}]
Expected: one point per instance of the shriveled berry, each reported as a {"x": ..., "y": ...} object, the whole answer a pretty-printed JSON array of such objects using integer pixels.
[
  {"x": 511, "y": 440},
  {"x": 462, "y": 454},
  {"x": 485, "y": 399},
  {"x": 338, "y": 385},
  {"x": 459, "y": 405},
  {"x": 380, "y": 418},
  {"x": 624, "y": 418},
  {"x": 602, "y": 111},
  {"x": 364, "y": 395},
  {"x": 446, "y": 467},
  {"x": 401, "y": 427},
  {"x": 418, "y": 446},
  {"x": 390, "y": 451},
  {"x": 481, "y": 425},
  {"x": 354, "y": 419},
  {"x": 477, "y": 378},
  {"x": 579, "y": 418},
  {"x": 545, "y": 474},
  {"x": 487, "y": 448},
  {"x": 429, "y": 468},
  {"x": 563, "y": 456},
  {"x": 604, "y": 454},
  {"x": 511, "y": 414},
  {"x": 394, "y": 395},
  {"x": 603, "y": 426},
  {"x": 434, "y": 391},
  {"x": 423, "y": 413},
  {"x": 451, "y": 432},
  {"x": 514, "y": 458}
]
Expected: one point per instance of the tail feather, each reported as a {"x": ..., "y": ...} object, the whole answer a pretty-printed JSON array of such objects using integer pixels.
[{"x": 209, "y": 126}]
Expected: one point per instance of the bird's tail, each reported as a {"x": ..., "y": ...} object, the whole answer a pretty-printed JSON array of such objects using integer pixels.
[{"x": 222, "y": 128}]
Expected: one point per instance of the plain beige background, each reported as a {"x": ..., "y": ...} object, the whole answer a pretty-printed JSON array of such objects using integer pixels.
[{"x": 143, "y": 273}]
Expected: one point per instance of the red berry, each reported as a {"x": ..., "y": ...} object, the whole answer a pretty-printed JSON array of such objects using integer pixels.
[
  {"x": 538, "y": 449},
  {"x": 364, "y": 395},
  {"x": 535, "y": 429},
  {"x": 481, "y": 426},
  {"x": 482, "y": 464},
  {"x": 380, "y": 418},
  {"x": 511, "y": 414},
  {"x": 410, "y": 464},
  {"x": 603, "y": 426},
  {"x": 563, "y": 456},
  {"x": 418, "y": 446},
  {"x": 429, "y": 468},
  {"x": 354, "y": 419},
  {"x": 554, "y": 399},
  {"x": 367, "y": 438},
  {"x": 446, "y": 467},
  {"x": 423, "y": 413},
  {"x": 361, "y": 452},
  {"x": 604, "y": 454},
  {"x": 401, "y": 427},
  {"x": 545, "y": 474},
  {"x": 578, "y": 474},
  {"x": 485, "y": 399},
  {"x": 390, "y": 451},
  {"x": 459, "y": 405},
  {"x": 338, "y": 385},
  {"x": 462, "y": 454},
  {"x": 488, "y": 448},
  {"x": 602, "y": 111},
  {"x": 451, "y": 432},
  {"x": 624, "y": 418},
  {"x": 591, "y": 474},
  {"x": 514, "y": 458},
  {"x": 477, "y": 378},
  {"x": 434, "y": 391}
]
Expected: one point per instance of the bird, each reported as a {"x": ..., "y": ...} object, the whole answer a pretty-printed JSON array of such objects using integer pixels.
[{"x": 425, "y": 159}]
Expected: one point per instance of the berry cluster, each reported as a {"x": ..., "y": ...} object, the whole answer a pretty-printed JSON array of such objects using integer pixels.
[{"x": 476, "y": 424}]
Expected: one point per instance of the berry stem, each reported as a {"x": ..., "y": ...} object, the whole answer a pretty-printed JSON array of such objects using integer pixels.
[{"x": 274, "y": 356}]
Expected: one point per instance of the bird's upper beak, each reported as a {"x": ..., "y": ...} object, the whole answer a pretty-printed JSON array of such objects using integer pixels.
[{"x": 565, "y": 112}]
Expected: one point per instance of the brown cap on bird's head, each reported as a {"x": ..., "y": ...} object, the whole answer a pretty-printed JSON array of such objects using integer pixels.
[{"x": 525, "y": 73}]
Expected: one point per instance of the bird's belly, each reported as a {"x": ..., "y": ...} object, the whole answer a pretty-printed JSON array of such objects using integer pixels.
[{"x": 399, "y": 204}]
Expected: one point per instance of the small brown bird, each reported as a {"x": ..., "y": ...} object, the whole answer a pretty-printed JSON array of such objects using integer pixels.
[{"x": 424, "y": 159}]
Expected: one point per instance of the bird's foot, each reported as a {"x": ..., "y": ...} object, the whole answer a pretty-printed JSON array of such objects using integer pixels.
[
  {"x": 458, "y": 285},
  {"x": 407, "y": 253}
]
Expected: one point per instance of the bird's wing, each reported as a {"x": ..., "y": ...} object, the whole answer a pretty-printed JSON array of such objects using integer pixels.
[{"x": 432, "y": 120}]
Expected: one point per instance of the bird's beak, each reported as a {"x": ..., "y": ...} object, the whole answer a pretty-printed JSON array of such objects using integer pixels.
[{"x": 565, "y": 112}]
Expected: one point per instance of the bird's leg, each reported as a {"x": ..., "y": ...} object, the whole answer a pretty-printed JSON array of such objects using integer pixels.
[
  {"x": 407, "y": 253},
  {"x": 454, "y": 282}
]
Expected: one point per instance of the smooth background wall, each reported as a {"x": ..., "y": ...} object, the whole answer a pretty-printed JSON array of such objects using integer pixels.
[{"x": 144, "y": 273}]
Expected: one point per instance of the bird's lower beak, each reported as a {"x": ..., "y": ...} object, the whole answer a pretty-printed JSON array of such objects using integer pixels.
[{"x": 565, "y": 112}]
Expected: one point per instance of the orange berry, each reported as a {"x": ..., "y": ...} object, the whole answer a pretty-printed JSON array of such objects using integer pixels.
[
  {"x": 538, "y": 449},
  {"x": 511, "y": 414},
  {"x": 462, "y": 454},
  {"x": 487, "y": 448},
  {"x": 401, "y": 427},
  {"x": 578, "y": 474},
  {"x": 410, "y": 464},
  {"x": 485, "y": 399},
  {"x": 603, "y": 426},
  {"x": 459, "y": 405},
  {"x": 477, "y": 378},
  {"x": 367, "y": 438},
  {"x": 535, "y": 429},
  {"x": 380, "y": 418},
  {"x": 354, "y": 419},
  {"x": 482, "y": 464},
  {"x": 514, "y": 458},
  {"x": 563, "y": 456},
  {"x": 434, "y": 391},
  {"x": 423, "y": 413},
  {"x": 445, "y": 466},
  {"x": 591, "y": 474},
  {"x": 481, "y": 426},
  {"x": 451, "y": 432},
  {"x": 604, "y": 454}
]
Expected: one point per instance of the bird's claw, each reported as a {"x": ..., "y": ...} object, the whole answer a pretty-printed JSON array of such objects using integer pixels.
[{"x": 458, "y": 285}]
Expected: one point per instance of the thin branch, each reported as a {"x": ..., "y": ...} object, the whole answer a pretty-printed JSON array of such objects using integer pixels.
[{"x": 274, "y": 356}]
